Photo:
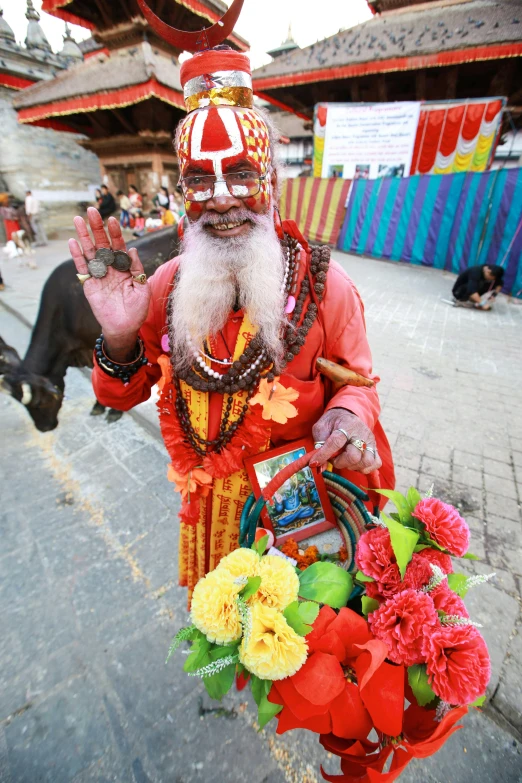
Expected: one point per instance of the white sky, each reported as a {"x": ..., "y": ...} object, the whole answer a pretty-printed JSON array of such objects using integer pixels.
[{"x": 264, "y": 23}]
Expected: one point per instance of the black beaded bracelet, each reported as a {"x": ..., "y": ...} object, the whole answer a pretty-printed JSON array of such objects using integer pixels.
[{"x": 115, "y": 369}]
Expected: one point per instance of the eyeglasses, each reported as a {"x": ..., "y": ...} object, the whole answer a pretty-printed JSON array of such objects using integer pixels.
[{"x": 240, "y": 184}]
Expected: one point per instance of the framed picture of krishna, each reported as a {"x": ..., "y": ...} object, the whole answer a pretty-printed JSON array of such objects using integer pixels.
[{"x": 300, "y": 507}]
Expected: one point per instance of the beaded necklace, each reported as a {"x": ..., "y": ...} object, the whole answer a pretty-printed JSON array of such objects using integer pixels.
[{"x": 254, "y": 363}]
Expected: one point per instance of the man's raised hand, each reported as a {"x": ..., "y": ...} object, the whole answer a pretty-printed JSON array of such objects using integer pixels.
[{"x": 119, "y": 303}]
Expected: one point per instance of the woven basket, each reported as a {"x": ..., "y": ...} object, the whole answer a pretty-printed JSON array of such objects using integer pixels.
[{"x": 346, "y": 499}]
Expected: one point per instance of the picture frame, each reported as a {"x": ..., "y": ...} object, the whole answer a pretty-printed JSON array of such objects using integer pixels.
[{"x": 301, "y": 507}]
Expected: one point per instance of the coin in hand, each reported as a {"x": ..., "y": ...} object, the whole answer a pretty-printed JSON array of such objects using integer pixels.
[
  {"x": 97, "y": 268},
  {"x": 105, "y": 254},
  {"x": 122, "y": 261}
]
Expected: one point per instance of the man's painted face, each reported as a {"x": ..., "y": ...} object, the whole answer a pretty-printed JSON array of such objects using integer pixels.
[{"x": 222, "y": 140}]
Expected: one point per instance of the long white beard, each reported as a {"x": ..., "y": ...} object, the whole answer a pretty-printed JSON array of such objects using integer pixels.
[{"x": 217, "y": 273}]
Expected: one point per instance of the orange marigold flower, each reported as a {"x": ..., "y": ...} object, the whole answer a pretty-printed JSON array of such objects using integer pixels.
[
  {"x": 343, "y": 553},
  {"x": 290, "y": 549},
  {"x": 196, "y": 480},
  {"x": 276, "y": 401}
]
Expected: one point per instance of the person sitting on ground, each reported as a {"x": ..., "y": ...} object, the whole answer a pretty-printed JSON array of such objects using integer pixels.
[
  {"x": 125, "y": 206},
  {"x": 478, "y": 285},
  {"x": 168, "y": 218},
  {"x": 161, "y": 199},
  {"x": 107, "y": 204}
]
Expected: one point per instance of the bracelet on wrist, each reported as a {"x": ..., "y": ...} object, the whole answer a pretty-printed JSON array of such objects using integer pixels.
[{"x": 122, "y": 371}]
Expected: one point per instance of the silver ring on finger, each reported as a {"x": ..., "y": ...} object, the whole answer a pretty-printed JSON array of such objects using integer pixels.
[
  {"x": 340, "y": 429},
  {"x": 359, "y": 444},
  {"x": 318, "y": 444},
  {"x": 369, "y": 448}
]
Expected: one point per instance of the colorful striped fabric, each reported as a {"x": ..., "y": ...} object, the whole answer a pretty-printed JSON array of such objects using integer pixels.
[
  {"x": 317, "y": 206},
  {"x": 448, "y": 221}
]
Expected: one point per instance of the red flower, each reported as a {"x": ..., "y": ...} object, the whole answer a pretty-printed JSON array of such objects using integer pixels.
[
  {"x": 445, "y": 600},
  {"x": 438, "y": 558},
  {"x": 345, "y": 687},
  {"x": 422, "y": 736},
  {"x": 418, "y": 574},
  {"x": 457, "y": 662},
  {"x": 444, "y": 525},
  {"x": 402, "y": 623},
  {"x": 374, "y": 555}
]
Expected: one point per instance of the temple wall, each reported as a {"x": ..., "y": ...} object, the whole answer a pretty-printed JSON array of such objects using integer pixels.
[{"x": 52, "y": 164}]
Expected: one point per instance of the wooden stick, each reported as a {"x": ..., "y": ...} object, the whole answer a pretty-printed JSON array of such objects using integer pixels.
[{"x": 341, "y": 376}]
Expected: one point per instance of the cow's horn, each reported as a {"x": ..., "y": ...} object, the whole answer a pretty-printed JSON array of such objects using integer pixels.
[{"x": 27, "y": 394}]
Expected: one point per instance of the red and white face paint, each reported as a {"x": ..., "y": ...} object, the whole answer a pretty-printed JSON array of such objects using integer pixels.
[{"x": 215, "y": 140}]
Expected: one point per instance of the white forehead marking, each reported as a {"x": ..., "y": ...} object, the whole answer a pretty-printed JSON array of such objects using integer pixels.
[{"x": 216, "y": 157}]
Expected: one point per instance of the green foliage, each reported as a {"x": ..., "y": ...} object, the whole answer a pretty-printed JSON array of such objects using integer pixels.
[
  {"x": 458, "y": 583},
  {"x": 369, "y": 605},
  {"x": 400, "y": 503},
  {"x": 478, "y": 702},
  {"x": 260, "y": 546},
  {"x": 470, "y": 556},
  {"x": 183, "y": 635},
  {"x": 403, "y": 541},
  {"x": 217, "y": 685},
  {"x": 199, "y": 653},
  {"x": 327, "y": 584},
  {"x": 418, "y": 679},
  {"x": 299, "y": 616},
  {"x": 413, "y": 497},
  {"x": 265, "y": 709},
  {"x": 251, "y": 587},
  {"x": 360, "y": 577}
]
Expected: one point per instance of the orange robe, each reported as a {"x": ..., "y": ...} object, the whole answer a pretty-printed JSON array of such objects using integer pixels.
[{"x": 338, "y": 334}]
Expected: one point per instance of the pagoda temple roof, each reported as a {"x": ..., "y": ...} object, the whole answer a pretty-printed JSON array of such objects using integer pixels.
[
  {"x": 128, "y": 76},
  {"x": 435, "y": 33},
  {"x": 100, "y": 16}
]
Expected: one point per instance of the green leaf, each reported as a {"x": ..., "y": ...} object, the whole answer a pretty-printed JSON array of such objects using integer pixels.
[
  {"x": 458, "y": 583},
  {"x": 327, "y": 584},
  {"x": 308, "y": 611},
  {"x": 199, "y": 654},
  {"x": 478, "y": 702},
  {"x": 400, "y": 503},
  {"x": 413, "y": 497},
  {"x": 251, "y": 587},
  {"x": 183, "y": 635},
  {"x": 294, "y": 619},
  {"x": 260, "y": 546},
  {"x": 420, "y": 547},
  {"x": 217, "y": 685},
  {"x": 259, "y": 688},
  {"x": 369, "y": 605},
  {"x": 418, "y": 679},
  {"x": 403, "y": 541},
  {"x": 363, "y": 578},
  {"x": 265, "y": 709},
  {"x": 469, "y": 556}
]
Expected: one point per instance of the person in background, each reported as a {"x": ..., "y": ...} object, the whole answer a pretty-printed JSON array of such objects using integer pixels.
[
  {"x": 136, "y": 210},
  {"x": 125, "y": 206},
  {"x": 107, "y": 204},
  {"x": 478, "y": 286},
  {"x": 98, "y": 197},
  {"x": 168, "y": 218},
  {"x": 2, "y": 284},
  {"x": 32, "y": 210},
  {"x": 161, "y": 199}
]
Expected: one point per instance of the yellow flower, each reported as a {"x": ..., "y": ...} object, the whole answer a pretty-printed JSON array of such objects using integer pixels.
[
  {"x": 214, "y": 610},
  {"x": 273, "y": 650},
  {"x": 241, "y": 562},
  {"x": 279, "y": 582}
]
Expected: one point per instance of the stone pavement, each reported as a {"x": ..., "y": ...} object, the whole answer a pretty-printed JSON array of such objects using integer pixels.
[{"x": 88, "y": 562}]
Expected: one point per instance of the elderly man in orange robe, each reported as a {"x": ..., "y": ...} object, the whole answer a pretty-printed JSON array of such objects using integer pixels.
[{"x": 231, "y": 329}]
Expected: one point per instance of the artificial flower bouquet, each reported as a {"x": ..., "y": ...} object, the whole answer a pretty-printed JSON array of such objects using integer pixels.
[{"x": 381, "y": 681}]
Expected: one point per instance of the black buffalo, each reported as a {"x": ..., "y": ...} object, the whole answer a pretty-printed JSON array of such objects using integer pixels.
[{"x": 64, "y": 335}]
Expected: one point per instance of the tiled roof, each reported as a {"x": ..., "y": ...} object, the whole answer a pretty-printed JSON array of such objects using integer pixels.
[
  {"x": 429, "y": 28},
  {"x": 98, "y": 74}
]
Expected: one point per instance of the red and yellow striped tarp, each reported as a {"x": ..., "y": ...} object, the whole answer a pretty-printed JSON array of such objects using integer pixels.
[{"x": 317, "y": 206}]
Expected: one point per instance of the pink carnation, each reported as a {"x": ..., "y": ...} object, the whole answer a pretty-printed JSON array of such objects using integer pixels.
[
  {"x": 445, "y": 600},
  {"x": 374, "y": 554},
  {"x": 438, "y": 558},
  {"x": 457, "y": 662},
  {"x": 402, "y": 622},
  {"x": 418, "y": 574},
  {"x": 444, "y": 525}
]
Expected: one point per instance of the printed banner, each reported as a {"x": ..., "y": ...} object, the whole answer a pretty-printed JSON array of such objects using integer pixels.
[
  {"x": 317, "y": 206},
  {"x": 369, "y": 140},
  {"x": 444, "y": 221}
]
